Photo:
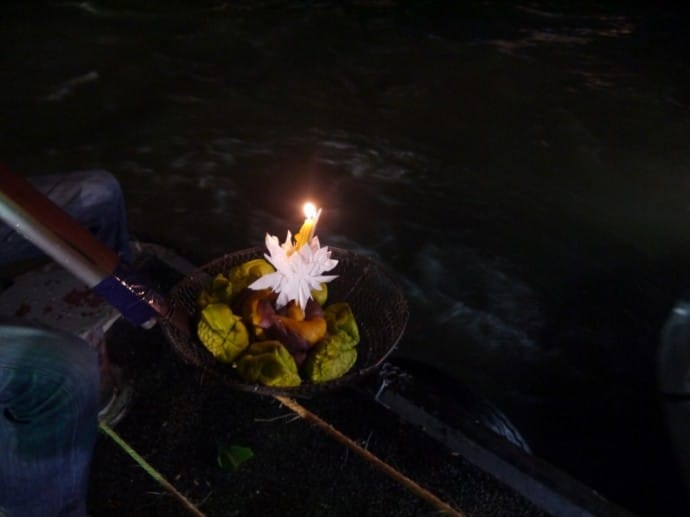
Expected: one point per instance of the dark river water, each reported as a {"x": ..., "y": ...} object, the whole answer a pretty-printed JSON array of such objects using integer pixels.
[{"x": 524, "y": 168}]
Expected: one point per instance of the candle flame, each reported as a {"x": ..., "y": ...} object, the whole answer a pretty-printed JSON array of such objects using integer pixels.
[{"x": 309, "y": 210}]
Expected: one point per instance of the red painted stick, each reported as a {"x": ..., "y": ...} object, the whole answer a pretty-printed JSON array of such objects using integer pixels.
[{"x": 55, "y": 219}]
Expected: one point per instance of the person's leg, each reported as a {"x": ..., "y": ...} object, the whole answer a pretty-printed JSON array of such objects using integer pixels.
[
  {"x": 49, "y": 385},
  {"x": 93, "y": 198}
]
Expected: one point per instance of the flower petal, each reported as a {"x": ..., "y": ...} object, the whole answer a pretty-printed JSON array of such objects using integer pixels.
[{"x": 298, "y": 271}]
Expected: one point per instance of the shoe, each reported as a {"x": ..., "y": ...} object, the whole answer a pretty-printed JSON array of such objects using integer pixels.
[
  {"x": 115, "y": 391},
  {"x": 115, "y": 408}
]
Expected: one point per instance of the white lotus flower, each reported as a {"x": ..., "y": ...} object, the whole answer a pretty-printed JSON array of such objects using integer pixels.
[{"x": 298, "y": 271}]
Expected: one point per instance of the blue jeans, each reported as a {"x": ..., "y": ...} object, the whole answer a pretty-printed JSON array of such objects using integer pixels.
[
  {"x": 93, "y": 198},
  {"x": 49, "y": 384}
]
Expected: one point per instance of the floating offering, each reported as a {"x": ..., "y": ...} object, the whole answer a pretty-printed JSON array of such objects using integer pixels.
[{"x": 271, "y": 318}]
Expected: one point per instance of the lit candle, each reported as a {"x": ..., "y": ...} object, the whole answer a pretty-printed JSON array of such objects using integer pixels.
[{"x": 306, "y": 232}]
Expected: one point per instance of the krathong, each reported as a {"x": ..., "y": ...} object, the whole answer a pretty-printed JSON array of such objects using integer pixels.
[{"x": 272, "y": 320}]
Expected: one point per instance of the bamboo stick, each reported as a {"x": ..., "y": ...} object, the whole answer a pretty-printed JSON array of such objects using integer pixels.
[{"x": 395, "y": 474}]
